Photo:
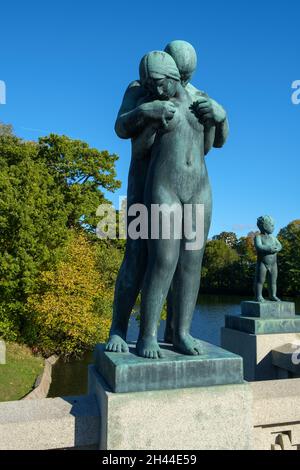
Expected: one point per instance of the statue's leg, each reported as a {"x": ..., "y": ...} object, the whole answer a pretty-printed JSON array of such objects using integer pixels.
[
  {"x": 186, "y": 285},
  {"x": 133, "y": 267},
  {"x": 127, "y": 288},
  {"x": 187, "y": 277},
  {"x": 260, "y": 277},
  {"x": 168, "y": 337},
  {"x": 163, "y": 257},
  {"x": 272, "y": 283}
]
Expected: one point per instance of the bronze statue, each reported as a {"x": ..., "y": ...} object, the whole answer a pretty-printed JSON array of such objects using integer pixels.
[
  {"x": 267, "y": 246},
  {"x": 151, "y": 107}
]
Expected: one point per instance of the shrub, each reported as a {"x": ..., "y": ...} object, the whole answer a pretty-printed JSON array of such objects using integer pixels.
[{"x": 71, "y": 310}]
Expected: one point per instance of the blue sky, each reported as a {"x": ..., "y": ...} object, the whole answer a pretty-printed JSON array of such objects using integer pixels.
[{"x": 66, "y": 65}]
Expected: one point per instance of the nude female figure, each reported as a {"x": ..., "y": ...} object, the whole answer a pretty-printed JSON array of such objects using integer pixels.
[{"x": 177, "y": 175}]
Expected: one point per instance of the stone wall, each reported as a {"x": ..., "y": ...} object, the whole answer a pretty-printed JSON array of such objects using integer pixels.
[
  {"x": 75, "y": 422},
  {"x": 50, "y": 423},
  {"x": 43, "y": 382},
  {"x": 276, "y": 414}
]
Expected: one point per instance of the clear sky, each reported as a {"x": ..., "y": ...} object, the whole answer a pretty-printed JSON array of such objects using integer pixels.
[{"x": 66, "y": 65}]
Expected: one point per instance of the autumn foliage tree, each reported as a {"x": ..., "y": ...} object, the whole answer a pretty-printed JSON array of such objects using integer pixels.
[
  {"x": 71, "y": 308},
  {"x": 47, "y": 188}
]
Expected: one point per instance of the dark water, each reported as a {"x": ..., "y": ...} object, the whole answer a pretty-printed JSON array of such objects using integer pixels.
[{"x": 71, "y": 378}]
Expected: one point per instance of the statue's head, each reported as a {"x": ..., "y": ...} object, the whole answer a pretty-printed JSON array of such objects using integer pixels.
[
  {"x": 185, "y": 57},
  {"x": 159, "y": 74},
  {"x": 266, "y": 224}
]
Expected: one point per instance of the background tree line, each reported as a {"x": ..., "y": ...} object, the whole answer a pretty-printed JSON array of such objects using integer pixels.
[
  {"x": 56, "y": 277},
  {"x": 229, "y": 263}
]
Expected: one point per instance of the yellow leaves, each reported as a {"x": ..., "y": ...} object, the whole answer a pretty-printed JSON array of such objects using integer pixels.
[{"x": 64, "y": 308}]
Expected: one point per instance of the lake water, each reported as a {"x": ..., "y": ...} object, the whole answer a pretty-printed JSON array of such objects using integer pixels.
[{"x": 70, "y": 378}]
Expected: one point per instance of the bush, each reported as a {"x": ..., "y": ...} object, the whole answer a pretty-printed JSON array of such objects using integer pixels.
[{"x": 71, "y": 310}]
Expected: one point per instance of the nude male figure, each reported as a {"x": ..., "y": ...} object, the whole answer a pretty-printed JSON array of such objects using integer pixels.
[
  {"x": 138, "y": 108},
  {"x": 267, "y": 246}
]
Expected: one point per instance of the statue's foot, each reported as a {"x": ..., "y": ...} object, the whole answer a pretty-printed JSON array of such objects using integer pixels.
[
  {"x": 260, "y": 299},
  {"x": 169, "y": 335},
  {"x": 196, "y": 340},
  {"x": 117, "y": 344},
  {"x": 188, "y": 345},
  {"x": 275, "y": 298},
  {"x": 148, "y": 347}
]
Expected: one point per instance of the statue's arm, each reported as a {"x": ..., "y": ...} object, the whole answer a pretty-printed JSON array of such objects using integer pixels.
[
  {"x": 213, "y": 117},
  {"x": 209, "y": 127},
  {"x": 221, "y": 125},
  {"x": 209, "y": 138},
  {"x": 278, "y": 245},
  {"x": 260, "y": 248},
  {"x": 216, "y": 130},
  {"x": 130, "y": 120}
]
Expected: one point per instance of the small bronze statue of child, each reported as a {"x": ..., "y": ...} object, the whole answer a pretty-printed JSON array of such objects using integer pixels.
[{"x": 267, "y": 246}]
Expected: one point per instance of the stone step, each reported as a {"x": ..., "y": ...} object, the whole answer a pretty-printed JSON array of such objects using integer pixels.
[
  {"x": 261, "y": 326},
  {"x": 268, "y": 309}
]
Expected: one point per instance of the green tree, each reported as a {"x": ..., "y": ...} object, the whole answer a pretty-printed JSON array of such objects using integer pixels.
[
  {"x": 32, "y": 227},
  {"x": 81, "y": 173},
  {"x": 289, "y": 259},
  {"x": 229, "y": 238},
  {"x": 245, "y": 270},
  {"x": 226, "y": 268},
  {"x": 46, "y": 188},
  {"x": 6, "y": 129},
  {"x": 218, "y": 260}
]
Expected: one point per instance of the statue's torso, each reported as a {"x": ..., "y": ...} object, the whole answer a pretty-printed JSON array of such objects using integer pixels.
[
  {"x": 268, "y": 259},
  {"x": 177, "y": 157},
  {"x": 142, "y": 144}
]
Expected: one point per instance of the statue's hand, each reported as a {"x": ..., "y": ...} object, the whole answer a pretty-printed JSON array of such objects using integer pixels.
[
  {"x": 161, "y": 111},
  {"x": 276, "y": 246},
  {"x": 208, "y": 110}
]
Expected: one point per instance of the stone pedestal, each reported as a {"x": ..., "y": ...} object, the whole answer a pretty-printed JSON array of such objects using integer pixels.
[
  {"x": 268, "y": 309},
  {"x": 253, "y": 335},
  {"x": 215, "y": 417},
  {"x": 2, "y": 352},
  {"x": 127, "y": 372},
  {"x": 179, "y": 402}
]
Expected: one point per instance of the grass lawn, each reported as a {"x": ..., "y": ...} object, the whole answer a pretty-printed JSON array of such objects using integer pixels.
[{"x": 18, "y": 375}]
